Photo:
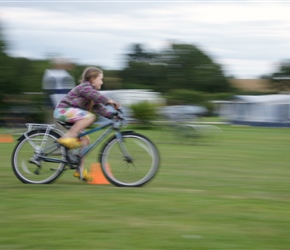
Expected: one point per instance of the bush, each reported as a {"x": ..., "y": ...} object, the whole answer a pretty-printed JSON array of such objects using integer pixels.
[{"x": 144, "y": 112}]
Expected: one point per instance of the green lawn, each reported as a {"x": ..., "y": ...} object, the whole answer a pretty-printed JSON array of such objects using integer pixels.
[{"x": 234, "y": 194}]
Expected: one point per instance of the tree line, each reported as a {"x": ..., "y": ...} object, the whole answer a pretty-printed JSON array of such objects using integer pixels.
[{"x": 180, "y": 68}]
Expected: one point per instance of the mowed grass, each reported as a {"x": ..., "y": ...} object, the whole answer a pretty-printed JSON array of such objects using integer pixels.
[{"x": 234, "y": 194}]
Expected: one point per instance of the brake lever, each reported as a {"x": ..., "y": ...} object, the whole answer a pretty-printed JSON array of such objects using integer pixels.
[{"x": 120, "y": 110}]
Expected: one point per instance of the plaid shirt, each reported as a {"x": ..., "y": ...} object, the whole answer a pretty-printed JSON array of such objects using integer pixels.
[{"x": 82, "y": 96}]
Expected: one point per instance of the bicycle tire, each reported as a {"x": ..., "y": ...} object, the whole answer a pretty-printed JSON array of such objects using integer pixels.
[
  {"x": 26, "y": 150},
  {"x": 136, "y": 171}
]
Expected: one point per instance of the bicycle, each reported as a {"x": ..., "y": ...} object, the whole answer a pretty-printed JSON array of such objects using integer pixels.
[{"x": 127, "y": 158}]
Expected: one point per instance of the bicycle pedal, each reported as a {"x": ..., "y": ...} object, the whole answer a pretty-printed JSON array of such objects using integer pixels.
[{"x": 34, "y": 161}]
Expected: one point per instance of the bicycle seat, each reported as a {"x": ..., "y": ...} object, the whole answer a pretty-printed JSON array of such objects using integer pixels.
[{"x": 67, "y": 125}]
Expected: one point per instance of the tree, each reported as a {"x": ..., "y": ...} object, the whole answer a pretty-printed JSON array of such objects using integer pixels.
[
  {"x": 182, "y": 66},
  {"x": 280, "y": 80},
  {"x": 190, "y": 68},
  {"x": 144, "y": 75},
  {"x": 2, "y": 42},
  {"x": 143, "y": 70},
  {"x": 18, "y": 75},
  {"x": 139, "y": 54},
  {"x": 6, "y": 71}
]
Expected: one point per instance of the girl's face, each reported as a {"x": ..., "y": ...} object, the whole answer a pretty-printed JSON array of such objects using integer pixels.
[{"x": 97, "y": 82}]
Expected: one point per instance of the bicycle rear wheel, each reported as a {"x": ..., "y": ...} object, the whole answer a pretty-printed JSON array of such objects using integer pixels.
[
  {"x": 130, "y": 163},
  {"x": 28, "y": 158}
]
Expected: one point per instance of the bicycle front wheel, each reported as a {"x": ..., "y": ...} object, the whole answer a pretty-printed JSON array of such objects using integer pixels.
[
  {"x": 29, "y": 162},
  {"x": 131, "y": 162}
]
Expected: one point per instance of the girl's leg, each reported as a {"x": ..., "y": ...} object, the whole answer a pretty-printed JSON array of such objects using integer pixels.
[
  {"x": 80, "y": 125},
  {"x": 81, "y": 119},
  {"x": 86, "y": 175},
  {"x": 70, "y": 140},
  {"x": 85, "y": 142}
]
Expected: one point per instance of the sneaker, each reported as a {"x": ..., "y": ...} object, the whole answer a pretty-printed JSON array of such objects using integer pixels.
[
  {"x": 86, "y": 175},
  {"x": 70, "y": 142}
]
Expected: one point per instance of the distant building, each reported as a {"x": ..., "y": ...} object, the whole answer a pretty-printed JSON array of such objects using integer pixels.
[
  {"x": 263, "y": 110},
  {"x": 262, "y": 85}
]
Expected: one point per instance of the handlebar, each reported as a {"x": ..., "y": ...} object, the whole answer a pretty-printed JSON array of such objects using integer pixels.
[{"x": 119, "y": 114}]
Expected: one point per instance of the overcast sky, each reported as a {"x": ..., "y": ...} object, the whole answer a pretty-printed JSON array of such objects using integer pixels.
[{"x": 248, "y": 38}]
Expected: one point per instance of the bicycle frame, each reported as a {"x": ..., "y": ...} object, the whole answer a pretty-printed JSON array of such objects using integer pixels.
[
  {"x": 111, "y": 124},
  {"x": 40, "y": 149}
]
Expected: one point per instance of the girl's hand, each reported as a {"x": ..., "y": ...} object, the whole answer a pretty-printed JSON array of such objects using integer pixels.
[{"x": 115, "y": 104}]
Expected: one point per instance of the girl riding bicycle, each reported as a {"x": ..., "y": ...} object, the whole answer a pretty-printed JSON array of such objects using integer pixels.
[{"x": 80, "y": 107}]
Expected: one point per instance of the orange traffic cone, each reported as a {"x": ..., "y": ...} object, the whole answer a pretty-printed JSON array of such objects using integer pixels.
[
  {"x": 6, "y": 138},
  {"x": 97, "y": 174}
]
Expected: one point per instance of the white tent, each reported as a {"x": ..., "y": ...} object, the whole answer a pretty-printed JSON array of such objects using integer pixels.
[{"x": 264, "y": 110}]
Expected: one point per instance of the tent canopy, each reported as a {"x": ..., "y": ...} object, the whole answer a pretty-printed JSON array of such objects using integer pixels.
[
  {"x": 267, "y": 99},
  {"x": 264, "y": 110}
]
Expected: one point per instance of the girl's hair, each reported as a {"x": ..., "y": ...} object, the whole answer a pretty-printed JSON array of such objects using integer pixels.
[{"x": 89, "y": 73}]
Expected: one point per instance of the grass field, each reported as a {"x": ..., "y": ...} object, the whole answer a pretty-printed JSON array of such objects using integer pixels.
[{"x": 234, "y": 194}]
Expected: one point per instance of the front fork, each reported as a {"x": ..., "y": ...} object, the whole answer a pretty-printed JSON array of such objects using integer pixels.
[{"x": 123, "y": 148}]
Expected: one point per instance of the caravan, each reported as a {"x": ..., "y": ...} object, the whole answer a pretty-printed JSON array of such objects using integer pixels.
[{"x": 264, "y": 110}]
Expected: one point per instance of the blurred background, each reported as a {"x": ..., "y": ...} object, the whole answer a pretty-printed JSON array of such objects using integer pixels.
[
  {"x": 186, "y": 60},
  {"x": 183, "y": 65}
]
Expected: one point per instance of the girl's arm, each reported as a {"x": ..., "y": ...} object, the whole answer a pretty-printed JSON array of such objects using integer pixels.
[{"x": 113, "y": 103}]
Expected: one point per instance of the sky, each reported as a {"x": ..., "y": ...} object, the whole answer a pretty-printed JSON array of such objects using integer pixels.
[{"x": 247, "y": 38}]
